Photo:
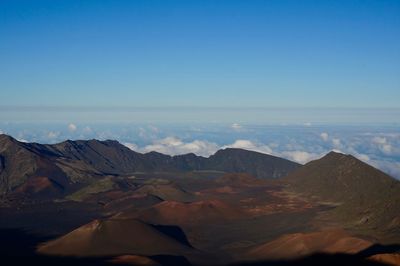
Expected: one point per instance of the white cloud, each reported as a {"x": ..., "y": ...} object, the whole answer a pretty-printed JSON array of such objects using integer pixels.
[
  {"x": 338, "y": 151},
  {"x": 170, "y": 141},
  {"x": 1, "y": 131},
  {"x": 389, "y": 167},
  {"x": 300, "y": 156},
  {"x": 308, "y": 124},
  {"x": 379, "y": 140},
  {"x": 383, "y": 145},
  {"x": 236, "y": 126},
  {"x": 87, "y": 130},
  {"x": 72, "y": 127},
  {"x": 175, "y": 146},
  {"x": 324, "y": 136},
  {"x": 53, "y": 134},
  {"x": 386, "y": 148},
  {"x": 154, "y": 129},
  {"x": 131, "y": 146},
  {"x": 362, "y": 157},
  {"x": 336, "y": 143},
  {"x": 148, "y": 132},
  {"x": 249, "y": 145},
  {"x": 142, "y": 132}
]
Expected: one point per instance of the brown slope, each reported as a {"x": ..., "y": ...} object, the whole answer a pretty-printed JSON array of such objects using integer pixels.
[
  {"x": 304, "y": 244},
  {"x": 240, "y": 180},
  {"x": 386, "y": 259},
  {"x": 199, "y": 212},
  {"x": 114, "y": 237},
  {"x": 134, "y": 260},
  {"x": 169, "y": 191},
  {"x": 132, "y": 201},
  {"x": 24, "y": 171},
  {"x": 16, "y": 164},
  {"x": 108, "y": 157},
  {"x": 367, "y": 197}
]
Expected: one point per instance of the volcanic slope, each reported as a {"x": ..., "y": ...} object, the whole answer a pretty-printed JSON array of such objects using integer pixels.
[
  {"x": 28, "y": 171},
  {"x": 115, "y": 237},
  {"x": 366, "y": 199},
  {"x": 71, "y": 165},
  {"x": 298, "y": 245}
]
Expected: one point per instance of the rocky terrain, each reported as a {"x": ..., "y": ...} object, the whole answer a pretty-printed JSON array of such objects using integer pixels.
[{"x": 99, "y": 203}]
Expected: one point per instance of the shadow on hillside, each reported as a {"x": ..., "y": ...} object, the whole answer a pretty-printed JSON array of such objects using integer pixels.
[
  {"x": 166, "y": 260},
  {"x": 175, "y": 232},
  {"x": 17, "y": 247},
  {"x": 333, "y": 259},
  {"x": 379, "y": 249},
  {"x": 318, "y": 260},
  {"x": 18, "y": 242}
]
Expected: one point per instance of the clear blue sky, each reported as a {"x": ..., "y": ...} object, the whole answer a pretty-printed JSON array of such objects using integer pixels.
[{"x": 200, "y": 53}]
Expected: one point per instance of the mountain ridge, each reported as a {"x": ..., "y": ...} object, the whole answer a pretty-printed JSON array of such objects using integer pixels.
[
  {"x": 223, "y": 211},
  {"x": 83, "y": 160}
]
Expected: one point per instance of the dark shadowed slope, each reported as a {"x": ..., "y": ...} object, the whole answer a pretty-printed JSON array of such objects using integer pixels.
[
  {"x": 108, "y": 157},
  {"x": 28, "y": 169},
  {"x": 254, "y": 163},
  {"x": 14, "y": 172},
  {"x": 111, "y": 157}
]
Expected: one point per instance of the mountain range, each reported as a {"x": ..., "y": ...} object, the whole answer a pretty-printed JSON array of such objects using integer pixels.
[
  {"x": 65, "y": 165},
  {"x": 102, "y": 203}
]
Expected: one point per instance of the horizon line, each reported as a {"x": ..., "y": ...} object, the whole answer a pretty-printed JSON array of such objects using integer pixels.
[{"x": 77, "y": 108}]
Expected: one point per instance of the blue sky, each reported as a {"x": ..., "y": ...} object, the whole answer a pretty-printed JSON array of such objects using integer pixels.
[
  {"x": 235, "y": 54},
  {"x": 291, "y": 78}
]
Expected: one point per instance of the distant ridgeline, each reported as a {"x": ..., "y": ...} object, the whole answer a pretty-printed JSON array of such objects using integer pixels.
[{"x": 34, "y": 167}]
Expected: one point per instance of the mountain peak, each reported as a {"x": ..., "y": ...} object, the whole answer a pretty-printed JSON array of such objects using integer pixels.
[
  {"x": 256, "y": 163},
  {"x": 335, "y": 153},
  {"x": 230, "y": 149},
  {"x": 342, "y": 173},
  {"x": 5, "y": 137},
  {"x": 7, "y": 141},
  {"x": 238, "y": 151},
  {"x": 338, "y": 159}
]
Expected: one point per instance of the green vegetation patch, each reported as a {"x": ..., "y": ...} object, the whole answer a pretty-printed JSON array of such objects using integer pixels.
[{"x": 102, "y": 185}]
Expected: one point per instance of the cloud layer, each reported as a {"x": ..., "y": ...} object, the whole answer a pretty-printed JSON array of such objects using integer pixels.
[{"x": 379, "y": 147}]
